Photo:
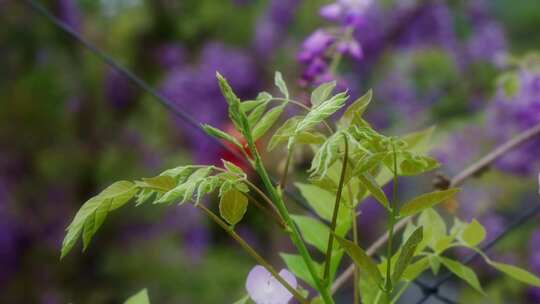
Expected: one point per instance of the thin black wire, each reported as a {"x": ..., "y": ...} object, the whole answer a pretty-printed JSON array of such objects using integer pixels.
[
  {"x": 146, "y": 87},
  {"x": 523, "y": 218}
]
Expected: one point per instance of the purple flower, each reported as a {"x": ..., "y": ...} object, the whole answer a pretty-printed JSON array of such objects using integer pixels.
[
  {"x": 488, "y": 43},
  {"x": 194, "y": 90},
  {"x": 263, "y": 288},
  {"x": 169, "y": 56},
  {"x": 315, "y": 45},
  {"x": 515, "y": 108},
  {"x": 272, "y": 27},
  {"x": 348, "y": 12}
]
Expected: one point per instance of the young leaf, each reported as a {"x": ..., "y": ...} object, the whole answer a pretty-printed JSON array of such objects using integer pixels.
[
  {"x": 322, "y": 112},
  {"x": 236, "y": 115},
  {"x": 463, "y": 272},
  {"x": 284, "y": 132},
  {"x": 415, "y": 269},
  {"x": 256, "y": 114},
  {"x": 361, "y": 259},
  {"x": 407, "y": 253},
  {"x": 434, "y": 263},
  {"x": 217, "y": 133},
  {"x": 233, "y": 206},
  {"x": 357, "y": 108},
  {"x": 184, "y": 191},
  {"x": 425, "y": 201},
  {"x": 249, "y": 105},
  {"x": 267, "y": 121},
  {"x": 162, "y": 183},
  {"x": 139, "y": 298},
  {"x": 233, "y": 168},
  {"x": 322, "y": 92},
  {"x": 473, "y": 233},
  {"x": 434, "y": 228},
  {"x": 88, "y": 217},
  {"x": 278, "y": 79},
  {"x": 371, "y": 185},
  {"x": 516, "y": 273}
]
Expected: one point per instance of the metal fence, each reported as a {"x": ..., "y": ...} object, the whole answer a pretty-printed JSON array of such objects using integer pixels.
[{"x": 428, "y": 290}]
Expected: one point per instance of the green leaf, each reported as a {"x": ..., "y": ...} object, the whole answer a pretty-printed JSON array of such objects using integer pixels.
[
  {"x": 278, "y": 79},
  {"x": 322, "y": 202},
  {"x": 434, "y": 228},
  {"x": 284, "y": 132},
  {"x": 233, "y": 206},
  {"x": 473, "y": 233},
  {"x": 415, "y": 269},
  {"x": 322, "y": 112},
  {"x": 249, "y": 105},
  {"x": 368, "y": 162},
  {"x": 93, "y": 213},
  {"x": 267, "y": 121},
  {"x": 256, "y": 114},
  {"x": 407, "y": 253},
  {"x": 162, "y": 183},
  {"x": 295, "y": 263},
  {"x": 463, "y": 272},
  {"x": 371, "y": 185},
  {"x": 233, "y": 168},
  {"x": 217, "y": 133},
  {"x": 236, "y": 115},
  {"x": 362, "y": 260},
  {"x": 425, "y": 201},
  {"x": 434, "y": 263},
  {"x": 322, "y": 92},
  {"x": 369, "y": 291},
  {"x": 184, "y": 191},
  {"x": 310, "y": 138},
  {"x": 357, "y": 108},
  {"x": 325, "y": 156},
  {"x": 516, "y": 273},
  {"x": 139, "y": 298},
  {"x": 313, "y": 231}
]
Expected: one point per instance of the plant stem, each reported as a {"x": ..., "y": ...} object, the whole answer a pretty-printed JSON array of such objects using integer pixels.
[
  {"x": 271, "y": 214},
  {"x": 356, "y": 277},
  {"x": 391, "y": 222},
  {"x": 292, "y": 229},
  {"x": 266, "y": 199},
  {"x": 252, "y": 253},
  {"x": 335, "y": 214}
]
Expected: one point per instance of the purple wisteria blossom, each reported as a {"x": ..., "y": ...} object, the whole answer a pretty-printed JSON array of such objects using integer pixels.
[
  {"x": 263, "y": 288},
  {"x": 193, "y": 89},
  {"x": 515, "y": 108},
  {"x": 271, "y": 27}
]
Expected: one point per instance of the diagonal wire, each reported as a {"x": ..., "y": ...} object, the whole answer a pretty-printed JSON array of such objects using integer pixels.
[
  {"x": 40, "y": 9},
  {"x": 518, "y": 221}
]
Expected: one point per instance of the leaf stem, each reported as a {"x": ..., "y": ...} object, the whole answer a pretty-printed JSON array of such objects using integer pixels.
[
  {"x": 335, "y": 213},
  {"x": 252, "y": 253},
  {"x": 356, "y": 277},
  {"x": 271, "y": 214},
  {"x": 391, "y": 222},
  {"x": 292, "y": 229},
  {"x": 283, "y": 181}
]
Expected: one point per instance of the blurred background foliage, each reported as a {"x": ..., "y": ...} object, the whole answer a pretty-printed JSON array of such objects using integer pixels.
[{"x": 69, "y": 125}]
